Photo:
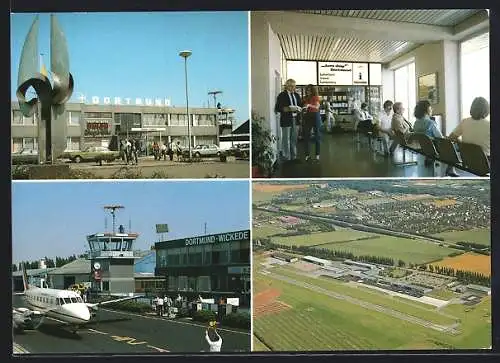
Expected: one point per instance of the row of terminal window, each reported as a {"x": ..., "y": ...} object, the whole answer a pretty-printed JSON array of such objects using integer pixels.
[{"x": 58, "y": 301}]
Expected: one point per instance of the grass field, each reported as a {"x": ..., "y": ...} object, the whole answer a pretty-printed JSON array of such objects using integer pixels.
[
  {"x": 414, "y": 308},
  {"x": 321, "y": 237},
  {"x": 443, "y": 294},
  {"x": 481, "y": 236},
  {"x": 258, "y": 345},
  {"x": 265, "y": 231},
  {"x": 468, "y": 262},
  {"x": 408, "y": 250},
  {"x": 317, "y": 322}
]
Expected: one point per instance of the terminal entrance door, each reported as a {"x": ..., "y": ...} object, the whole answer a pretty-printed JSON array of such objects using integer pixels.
[{"x": 68, "y": 281}]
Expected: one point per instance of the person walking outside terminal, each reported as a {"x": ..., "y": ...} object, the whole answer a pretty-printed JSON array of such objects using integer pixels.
[
  {"x": 312, "y": 119},
  {"x": 289, "y": 105},
  {"x": 159, "y": 305},
  {"x": 213, "y": 339}
]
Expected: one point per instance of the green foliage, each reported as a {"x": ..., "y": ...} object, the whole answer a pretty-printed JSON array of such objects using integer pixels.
[
  {"x": 204, "y": 316},
  {"x": 262, "y": 140},
  {"x": 131, "y": 306},
  {"x": 237, "y": 320},
  {"x": 126, "y": 172}
]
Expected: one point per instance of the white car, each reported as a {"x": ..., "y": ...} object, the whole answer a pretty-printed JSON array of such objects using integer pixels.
[{"x": 206, "y": 150}]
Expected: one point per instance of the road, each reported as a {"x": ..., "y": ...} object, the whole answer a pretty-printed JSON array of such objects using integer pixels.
[
  {"x": 171, "y": 169},
  {"x": 367, "y": 305},
  {"x": 127, "y": 333}
]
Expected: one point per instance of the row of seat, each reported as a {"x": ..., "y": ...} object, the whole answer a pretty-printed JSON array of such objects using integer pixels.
[{"x": 470, "y": 157}]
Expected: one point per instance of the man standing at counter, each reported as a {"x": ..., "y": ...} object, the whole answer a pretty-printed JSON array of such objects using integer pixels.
[{"x": 289, "y": 105}]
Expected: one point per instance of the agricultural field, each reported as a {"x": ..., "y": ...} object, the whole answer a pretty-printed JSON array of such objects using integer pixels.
[
  {"x": 481, "y": 236},
  {"x": 333, "y": 237},
  {"x": 310, "y": 320},
  {"x": 408, "y": 250},
  {"x": 266, "y": 231},
  {"x": 468, "y": 262},
  {"x": 265, "y": 192}
]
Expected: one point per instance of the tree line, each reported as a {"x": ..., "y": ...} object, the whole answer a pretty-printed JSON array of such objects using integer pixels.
[
  {"x": 466, "y": 277},
  {"x": 49, "y": 262}
]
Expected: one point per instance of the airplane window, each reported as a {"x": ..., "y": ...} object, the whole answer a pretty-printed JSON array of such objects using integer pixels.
[
  {"x": 79, "y": 299},
  {"x": 67, "y": 300},
  {"x": 73, "y": 300}
]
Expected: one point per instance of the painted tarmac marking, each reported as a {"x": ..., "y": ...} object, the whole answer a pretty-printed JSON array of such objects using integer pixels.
[
  {"x": 175, "y": 322},
  {"x": 98, "y": 331},
  {"x": 128, "y": 340},
  {"x": 158, "y": 349}
]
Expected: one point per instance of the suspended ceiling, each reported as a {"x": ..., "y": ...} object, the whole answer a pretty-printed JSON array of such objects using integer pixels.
[
  {"x": 439, "y": 17},
  {"x": 364, "y": 35}
]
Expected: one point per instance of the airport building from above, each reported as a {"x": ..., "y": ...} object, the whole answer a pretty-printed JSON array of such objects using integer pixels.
[
  {"x": 94, "y": 124},
  {"x": 218, "y": 264}
]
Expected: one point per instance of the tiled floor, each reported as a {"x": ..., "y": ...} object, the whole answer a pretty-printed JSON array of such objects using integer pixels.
[{"x": 342, "y": 156}]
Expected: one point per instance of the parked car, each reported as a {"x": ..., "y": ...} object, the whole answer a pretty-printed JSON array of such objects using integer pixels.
[
  {"x": 240, "y": 151},
  {"x": 92, "y": 153},
  {"x": 25, "y": 156},
  {"x": 205, "y": 150}
]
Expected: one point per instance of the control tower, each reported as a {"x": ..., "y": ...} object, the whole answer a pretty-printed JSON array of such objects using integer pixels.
[{"x": 112, "y": 258}]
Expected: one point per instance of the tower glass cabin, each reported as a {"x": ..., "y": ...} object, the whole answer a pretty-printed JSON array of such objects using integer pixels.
[{"x": 112, "y": 261}]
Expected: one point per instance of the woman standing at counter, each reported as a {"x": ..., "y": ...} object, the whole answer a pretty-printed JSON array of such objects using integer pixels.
[{"x": 312, "y": 119}]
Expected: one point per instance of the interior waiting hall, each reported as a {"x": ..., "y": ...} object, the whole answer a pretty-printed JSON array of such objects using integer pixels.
[{"x": 433, "y": 64}]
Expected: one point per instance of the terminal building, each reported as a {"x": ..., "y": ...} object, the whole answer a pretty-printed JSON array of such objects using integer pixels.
[
  {"x": 95, "y": 124},
  {"x": 217, "y": 264},
  {"x": 370, "y": 56}
]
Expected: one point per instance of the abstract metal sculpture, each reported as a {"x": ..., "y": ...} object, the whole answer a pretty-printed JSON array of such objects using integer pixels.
[{"x": 51, "y": 97}]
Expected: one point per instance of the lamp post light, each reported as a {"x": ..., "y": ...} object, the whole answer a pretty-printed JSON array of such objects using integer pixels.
[{"x": 185, "y": 54}]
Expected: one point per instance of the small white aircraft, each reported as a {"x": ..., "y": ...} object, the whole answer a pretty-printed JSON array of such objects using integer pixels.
[{"x": 64, "y": 305}]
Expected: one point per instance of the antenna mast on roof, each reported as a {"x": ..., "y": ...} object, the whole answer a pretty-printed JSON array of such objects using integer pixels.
[
  {"x": 113, "y": 209},
  {"x": 215, "y": 93}
]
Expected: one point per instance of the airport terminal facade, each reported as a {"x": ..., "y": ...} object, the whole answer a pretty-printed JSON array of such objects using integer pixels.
[
  {"x": 94, "y": 124},
  {"x": 218, "y": 264}
]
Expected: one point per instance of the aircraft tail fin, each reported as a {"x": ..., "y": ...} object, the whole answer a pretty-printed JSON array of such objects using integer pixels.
[{"x": 25, "y": 278}]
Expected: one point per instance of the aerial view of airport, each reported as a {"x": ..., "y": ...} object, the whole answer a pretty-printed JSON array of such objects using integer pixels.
[
  {"x": 371, "y": 265},
  {"x": 134, "y": 285}
]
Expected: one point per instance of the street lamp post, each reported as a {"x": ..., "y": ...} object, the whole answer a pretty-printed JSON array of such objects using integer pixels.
[{"x": 185, "y": 54}]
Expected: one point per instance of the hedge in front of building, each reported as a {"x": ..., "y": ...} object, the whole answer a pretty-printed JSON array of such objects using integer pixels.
[
  {"x": 234, "y": 320},
  {"x": 131, "y": 306},
  {"x": 237, "y": 320}
]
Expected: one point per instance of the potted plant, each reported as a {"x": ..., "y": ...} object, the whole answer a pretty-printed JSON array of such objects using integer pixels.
[{"x": 262, "y": 150}]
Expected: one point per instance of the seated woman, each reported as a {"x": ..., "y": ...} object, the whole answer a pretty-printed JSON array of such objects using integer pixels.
[
  {"x": 475, "y": 129},
  {"x": 425, "y": 125}
]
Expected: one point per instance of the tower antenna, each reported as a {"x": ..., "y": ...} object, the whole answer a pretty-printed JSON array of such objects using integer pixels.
[
  {"x": 214, "y": 93},
  {"x": 112, "y": 209}
]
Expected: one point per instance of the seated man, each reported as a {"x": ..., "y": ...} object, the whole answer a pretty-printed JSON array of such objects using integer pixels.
[
  {"x": 399, "y": 124},
  {"x": 363, "y": 119}
]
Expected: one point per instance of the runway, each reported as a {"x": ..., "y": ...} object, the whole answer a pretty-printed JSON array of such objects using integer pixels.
[{"x": 126, "y": 333}]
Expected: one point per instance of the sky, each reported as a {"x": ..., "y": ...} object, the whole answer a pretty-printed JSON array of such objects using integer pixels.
[
  {"x": 137, "y": 55},
  {"x": 53, "y": 219}
]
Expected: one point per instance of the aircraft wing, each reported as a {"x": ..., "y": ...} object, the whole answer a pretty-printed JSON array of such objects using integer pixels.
[{"x": 96, "y": 305}]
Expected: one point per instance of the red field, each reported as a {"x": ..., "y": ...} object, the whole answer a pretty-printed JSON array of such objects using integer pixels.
[
  {"x": 266, "y": 303},
  {"x": 468, "y": 262},
  {"x": 273, "y": 188}
]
